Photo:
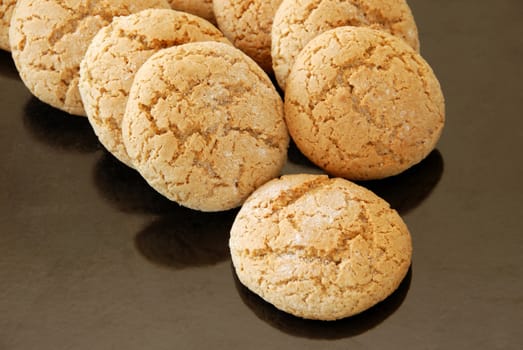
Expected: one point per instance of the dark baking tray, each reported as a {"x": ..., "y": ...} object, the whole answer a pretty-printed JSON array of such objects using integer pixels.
[{"x": 92, "y": 258}]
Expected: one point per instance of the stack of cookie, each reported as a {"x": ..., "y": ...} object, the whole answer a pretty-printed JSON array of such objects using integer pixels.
[{"x": 192, "y": 108}]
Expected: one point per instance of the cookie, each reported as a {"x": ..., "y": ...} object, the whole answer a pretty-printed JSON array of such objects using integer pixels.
[
  {"x": 49, "y": 39},
  {"x": 202, "y": 8},
  {"x": 6, "y": 11},
  {"x": 247, "y": 24},
  {"x": 362, "y": 104},
  {"x": 114, "y": 56},
  {"x": 319, "y": 248},
  {"x": 298, "y": 21},
  {"x": 204, "y": 125}
]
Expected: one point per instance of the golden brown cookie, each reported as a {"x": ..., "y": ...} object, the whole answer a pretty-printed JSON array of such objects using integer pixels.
[
  {"x": 247, "y": 24},
  {"x": 319, "y": 248},
  {"x": 6, "y": 11},
  {"x": 202, "y": 8},
  {"x": 298, "y": 21},
  {"x": 204, "y": 125},
  {"x": 114, "y": 56},
  {"x": 49, "y": 39},
  {"x": 362, "y": 104}
]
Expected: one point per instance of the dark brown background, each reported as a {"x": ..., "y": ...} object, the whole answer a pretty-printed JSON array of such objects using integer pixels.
[{"x": 92, "y": 258}]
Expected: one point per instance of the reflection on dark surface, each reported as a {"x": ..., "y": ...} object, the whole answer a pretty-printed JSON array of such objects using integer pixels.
[
  {"x": 126, "y": 189},
  {"x": 58, "y": 129},
  {"x": 180, "y": 237},
  {"x": 187, "y": 238},
  {"x": 409, "y": 189},
  {"x": 7, "y": 66},
  {"x": 345, "y": 328}
]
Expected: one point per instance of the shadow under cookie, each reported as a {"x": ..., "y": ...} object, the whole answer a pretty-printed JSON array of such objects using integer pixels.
[
  {"x": 126, "y": 189},
  {"x": 187, "y": 238},
  {"x": 58, "y": 129},
  {"x": 297, "y": 163},
  {"x": 408, "y": 190},
  {"x": 312, "y": 329},
  {"x": 7, "y": 66},
  {"x": 404, "y": 192}
]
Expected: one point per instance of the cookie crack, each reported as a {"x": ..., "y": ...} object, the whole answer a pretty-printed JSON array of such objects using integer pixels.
[
  {"x": 269, "y": 140},
  {"x": 147, "y": 43},
  {"x": 290, "y": 196}
]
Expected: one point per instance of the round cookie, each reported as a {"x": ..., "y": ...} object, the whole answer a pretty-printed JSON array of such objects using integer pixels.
[
  {"x": 114, "y": 56},
  {"x": 6, "y": 11},
  {"x": 247, "y": 24},
  {"x": 202, "y": 8},
  {"x": 49, "y": 39},
  {"x": 298, "y": 21},
  {"x": 204, "y": 125},
  {"x": 319, "y": 248},
  {"x": 362, "y": 104}
]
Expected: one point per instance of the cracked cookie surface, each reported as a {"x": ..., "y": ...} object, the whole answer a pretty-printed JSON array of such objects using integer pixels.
[
  {"x": 247, "y": 24},
  {"x": 49, "y": 39},
  {"x": 202, "y": 8},
  {"x": 298, "y": 21},
  {"x": 319, "y": 248},
  {"x": 6, "y": 11},
  {"x": 362, "y": 104},
  {"x": 115, "y": 55},
  {"x": 204, "y": 125}
]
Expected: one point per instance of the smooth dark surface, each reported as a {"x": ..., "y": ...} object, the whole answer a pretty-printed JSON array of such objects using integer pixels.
[{"x": 92, "y": 258}]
